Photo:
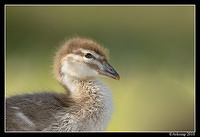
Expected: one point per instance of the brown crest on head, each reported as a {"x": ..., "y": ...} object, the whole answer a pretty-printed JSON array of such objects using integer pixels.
[{"x": 73, "y": 44}]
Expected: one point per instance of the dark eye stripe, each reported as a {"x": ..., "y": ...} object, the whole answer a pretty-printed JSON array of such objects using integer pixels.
[
  {"x": 93, "y": 66},
  {"x": 93, "y": 57}
]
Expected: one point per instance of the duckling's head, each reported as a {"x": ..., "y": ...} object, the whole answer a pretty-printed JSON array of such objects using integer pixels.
[{"x": 83, "y": 59}]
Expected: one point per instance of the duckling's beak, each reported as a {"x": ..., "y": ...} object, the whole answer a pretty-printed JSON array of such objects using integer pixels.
[{"x": 108, "y": 70}]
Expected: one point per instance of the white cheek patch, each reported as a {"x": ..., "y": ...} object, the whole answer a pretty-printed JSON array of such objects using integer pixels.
[
  {"x": 86, "y": 71},
  {"x": 92, "y": 52},
  {"x": 66, "y": 69}
]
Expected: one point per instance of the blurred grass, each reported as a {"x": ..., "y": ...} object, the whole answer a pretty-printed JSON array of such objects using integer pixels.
[{"x": 151, "y": 47}]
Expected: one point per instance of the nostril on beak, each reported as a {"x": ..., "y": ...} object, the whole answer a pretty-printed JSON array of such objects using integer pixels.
[{"x": 111, "y": 69}]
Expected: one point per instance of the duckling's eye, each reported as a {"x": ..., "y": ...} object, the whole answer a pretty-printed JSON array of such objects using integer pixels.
[{"x": 88, "y": 55}]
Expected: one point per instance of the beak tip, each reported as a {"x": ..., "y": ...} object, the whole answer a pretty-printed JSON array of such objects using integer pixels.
[{"x": 118, "y": 77}]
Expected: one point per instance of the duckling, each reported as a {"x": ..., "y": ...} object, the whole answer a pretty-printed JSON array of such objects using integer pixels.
[{"x": 85, "y": 106}]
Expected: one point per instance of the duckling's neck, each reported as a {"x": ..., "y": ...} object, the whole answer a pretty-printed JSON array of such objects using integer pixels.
[
  {"x": 93, "y": 97},
  {"x": 79, "y": 88}
]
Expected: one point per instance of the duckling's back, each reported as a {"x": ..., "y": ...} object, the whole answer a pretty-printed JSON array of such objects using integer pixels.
[{"x": 33, "y": 112}]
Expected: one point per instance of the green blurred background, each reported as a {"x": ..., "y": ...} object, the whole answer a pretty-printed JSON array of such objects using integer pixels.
[{"x": 151, "y": 47}]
